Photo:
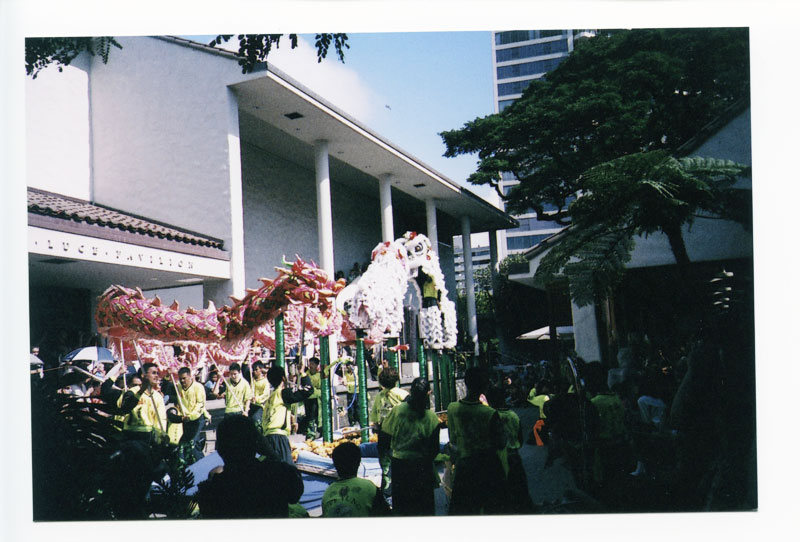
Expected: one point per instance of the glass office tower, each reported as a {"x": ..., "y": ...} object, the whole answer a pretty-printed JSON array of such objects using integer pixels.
[{"x": 518, "y": 58}]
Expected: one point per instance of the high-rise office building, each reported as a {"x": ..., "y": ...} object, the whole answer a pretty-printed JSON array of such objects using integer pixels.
[{"x": 518, "y": 58}]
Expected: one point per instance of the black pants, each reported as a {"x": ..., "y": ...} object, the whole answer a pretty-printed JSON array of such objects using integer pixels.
[
  {"x": 309, "y": 424},
  {"x": 352, "y": 409},
  {"x": 412, "y": 488},
  {"x": 279, "y": 445},
  {"x": 479, "y": 486},
  {"x": 256, "y": 413},
  {"x": 193, "y": 434}
]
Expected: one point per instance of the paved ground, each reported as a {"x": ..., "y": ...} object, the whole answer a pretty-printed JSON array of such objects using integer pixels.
[{"x": 545, "y": 484}]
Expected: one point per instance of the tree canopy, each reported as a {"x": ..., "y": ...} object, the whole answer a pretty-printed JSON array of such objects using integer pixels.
[
  {"x": 618, "y": 93},
  {"x": 639, "y": 194},
  {"x": 253, "y": 49}
]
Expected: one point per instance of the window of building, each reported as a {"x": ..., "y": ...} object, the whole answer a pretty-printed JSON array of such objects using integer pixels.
[
  {"x": 529, "y": 68},
  {"x": 517, "y": 87},
  {"x": 513, "y": 36},
  {"x": 522, "y": 242},
  {"x": 502, "y": 104},
  {"x": 507, "y": 176},
  {"x": 532, "y": 50}
]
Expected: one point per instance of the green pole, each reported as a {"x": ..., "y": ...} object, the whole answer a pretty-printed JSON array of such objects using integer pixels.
[
  {"x": 393, "y": 356},
  {"x": 363, "y": 415},
  {"x": 451, "y": 376},
  {"x": 422, "y": 360},
  {"x": 280, "y": 351},
  {"x": 437, "y": 390},
  {"x": 325, "y": 364},
  {"x": 445, "y": 376}
]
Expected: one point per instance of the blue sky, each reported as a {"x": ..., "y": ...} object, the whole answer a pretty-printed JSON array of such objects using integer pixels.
[
  {"x": 406, "y": 86},
  {"x": 432, "y": 81}
]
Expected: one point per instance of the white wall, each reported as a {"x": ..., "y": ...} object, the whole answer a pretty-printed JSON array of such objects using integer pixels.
[
  {"x": 57, "y": 130},
  {"x": 708, "y": 239},
  {"x": 186, "y": 296},
  {"x": 160, "y": 123},
  {"x": 280, "y": 216}
]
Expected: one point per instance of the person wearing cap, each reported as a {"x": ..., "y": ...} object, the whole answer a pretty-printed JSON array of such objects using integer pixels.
[
  {"x": 144, "y": 409},
  {"x": 276, "y": 421}
]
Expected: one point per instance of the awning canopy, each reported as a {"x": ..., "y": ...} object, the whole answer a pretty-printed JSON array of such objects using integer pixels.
[{"x": 543, "y": 333}]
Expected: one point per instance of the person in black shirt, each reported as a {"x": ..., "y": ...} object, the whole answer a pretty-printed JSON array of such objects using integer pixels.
[{"x": 247, "y": 487}]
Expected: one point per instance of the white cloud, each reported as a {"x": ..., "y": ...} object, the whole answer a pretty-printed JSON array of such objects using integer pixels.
[{"x": 331, "y": 79}]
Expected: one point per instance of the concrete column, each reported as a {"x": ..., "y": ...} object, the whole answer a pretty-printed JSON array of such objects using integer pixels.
[
  {"x": 387, "y": 217},
  {"x": 502, "y": 347},
  {"x": 469, "y": 282},
  {"x": 324, "y": 214},
  {"x": 587, "y": 339},
  {"x": 237, "y": 286},
  {"x": 433, "y": 228}
]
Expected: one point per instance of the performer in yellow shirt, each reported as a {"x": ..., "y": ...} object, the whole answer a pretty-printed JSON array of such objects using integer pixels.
[
  {"x": 144, "y": 409},
  {"x": 192, "y": 406},
  {"x": 238, "y": 395},
  {"x": 261, "y": 391},
  {"x": 276, "y": 420}
]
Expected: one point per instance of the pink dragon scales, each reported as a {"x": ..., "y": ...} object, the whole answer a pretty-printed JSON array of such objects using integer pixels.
[{"x": 125, "y": 313}]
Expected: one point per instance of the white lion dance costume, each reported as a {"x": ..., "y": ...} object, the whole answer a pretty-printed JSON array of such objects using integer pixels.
[
  {"x": 438, "y": 312},
  {"x": 374, "y": 301}
]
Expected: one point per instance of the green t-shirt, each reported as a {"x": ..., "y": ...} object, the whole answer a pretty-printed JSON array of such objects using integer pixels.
[
  {"x": 474, "y": 428},
  {"x": 511, "y": 429},
  {"x": 611, "y": 414},
  {"x": 384, "y": 402},
  {"x": 538, "y": 401},
  {"x": 316, "y": 382},
  {"x": 349, "y": 498},
  {"x": 411, "y": 434}
]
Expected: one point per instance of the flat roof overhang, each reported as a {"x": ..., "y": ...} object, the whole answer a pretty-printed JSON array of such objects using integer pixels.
[{"x": 264, "y": 103}]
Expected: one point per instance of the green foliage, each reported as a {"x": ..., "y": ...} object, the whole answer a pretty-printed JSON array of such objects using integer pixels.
[
  {"x": 82, "y": 468},
  {"x": 588, "y": 257},
  {"x": 255, "y": 48},
  {"x": 170, "y": 497},
  {"x": 41, "y": 52},
  {"x": 638, "y": 194},
  {"x": 620, "y": 93}
]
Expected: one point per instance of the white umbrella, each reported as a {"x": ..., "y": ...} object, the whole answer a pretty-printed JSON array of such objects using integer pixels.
[
  {"x": 97, "y": 355},
  {"x": 543, "y": 333},
  {"x": 90, "y": 353}
]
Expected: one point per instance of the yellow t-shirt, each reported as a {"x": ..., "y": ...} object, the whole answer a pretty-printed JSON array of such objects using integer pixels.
[
  {"x": 237, "y": 395},
  {"x": 192, "y": 400},
  {"x": 261, "y": 389},
  {"x": 149, "y": 414},
  {"x": 348, "y": 498},
  {"x": 384, "y": 402},
  {"x": 411, "y": 433},
  {"x": 276, "y": 418}
]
